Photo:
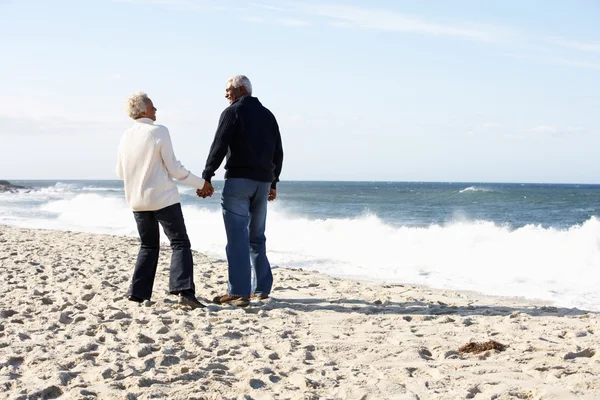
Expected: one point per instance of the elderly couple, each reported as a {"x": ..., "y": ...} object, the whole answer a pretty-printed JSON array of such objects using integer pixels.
[{"x": 249, "y": 135}]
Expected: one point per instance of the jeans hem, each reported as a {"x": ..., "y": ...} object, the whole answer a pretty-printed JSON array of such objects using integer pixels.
[
  {"x": 139, "y": 297},
  {"x": 238, "y": 295},
  {"x": 175, "y": 291}
]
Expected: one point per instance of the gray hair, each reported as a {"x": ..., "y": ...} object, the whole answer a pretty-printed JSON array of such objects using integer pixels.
[
  {"x": 241, "y": 80},
  {"x": 136, "y": 104}
]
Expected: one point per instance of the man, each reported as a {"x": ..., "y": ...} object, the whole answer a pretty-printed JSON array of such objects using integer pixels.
[
  {"x": 249, "y": 135},
  {"x": 146, "y": 162}
]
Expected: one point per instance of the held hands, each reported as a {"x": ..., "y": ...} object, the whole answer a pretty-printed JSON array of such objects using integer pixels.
[{"x": 206, "y": 191}]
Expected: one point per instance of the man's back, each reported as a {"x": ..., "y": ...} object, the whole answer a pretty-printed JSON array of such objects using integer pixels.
[
  {"x": 248, "y": 133},
  {"x": 254, "y": 141}
]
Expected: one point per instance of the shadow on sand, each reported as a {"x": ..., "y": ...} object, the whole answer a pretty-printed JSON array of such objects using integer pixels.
[{"x": 412, "y": 308}]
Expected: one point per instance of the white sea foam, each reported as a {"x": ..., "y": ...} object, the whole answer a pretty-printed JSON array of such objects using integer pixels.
[
  {"x": 101, "y": 189},
  {"x": 475, "y": 189},
  {"x": 58, "y": 191},
  {"x": 557, "y": 265},
  {"x": 62, "y": 187}
]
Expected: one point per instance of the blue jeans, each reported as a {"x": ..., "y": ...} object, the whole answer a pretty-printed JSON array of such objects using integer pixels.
[
  {"x": 181, "y": 275},
  {"x": 244, "y": 203}
]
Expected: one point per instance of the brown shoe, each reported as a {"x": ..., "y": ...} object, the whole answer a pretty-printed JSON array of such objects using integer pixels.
[
  {"x": 233, "y": 300},
  {"x": 260, "y": 296},
  {"x": 188, "y": 299}
]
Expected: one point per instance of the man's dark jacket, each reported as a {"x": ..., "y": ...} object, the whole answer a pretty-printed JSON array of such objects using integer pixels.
[{"x": 249, "y": 135}]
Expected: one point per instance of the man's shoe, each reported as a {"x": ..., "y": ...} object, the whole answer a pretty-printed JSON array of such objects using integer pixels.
[
  {"x": 188, "y": 299},
  {"x": 233, "y": 300},
  {"x": 135, "y": 298},
  {"x": 260, "y": 296}
]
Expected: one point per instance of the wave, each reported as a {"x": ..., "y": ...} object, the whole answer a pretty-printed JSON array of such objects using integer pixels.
[
  {"x": 476, "y": 189},
  {"x": 560, "y": 265},
  {"x": 101, "y": 189},
  {"x": 58, "y": 191},
  {"x": 63, "y": 187},
  {"x": 39, "y": 195}
]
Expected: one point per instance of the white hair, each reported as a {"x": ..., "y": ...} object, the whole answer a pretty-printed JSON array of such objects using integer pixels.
[
  {"x": 241, "y": 80},
  {"x": 136, "y": 104}
]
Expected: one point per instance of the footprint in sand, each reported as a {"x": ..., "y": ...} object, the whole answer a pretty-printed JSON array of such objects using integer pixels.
[
  {"x": 168, "y": 360},
  {"x": 141, "y": 338},
  {"x": 162, "y": 330},
  {"x": 88, "y": 296},
  {"x": 140, "y": 351},
  {"x": 587, "y": 353},
  {"x": 257, "y": 383},
  {"x": 7, "y": 313},
  {"x": 425, "y": 354},
  {"x": 65, "y": 317}
]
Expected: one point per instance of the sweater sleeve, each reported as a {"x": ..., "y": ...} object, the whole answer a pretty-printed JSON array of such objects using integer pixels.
[
  {"x": 119, "y": 169},
  {"x": 277, "y": 158},
  {"x": 174, "y": 167},
  {"x": 220, "y": 145}
]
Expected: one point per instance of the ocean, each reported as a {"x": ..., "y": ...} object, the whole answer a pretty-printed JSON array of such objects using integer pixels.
[{"x": 539, "y": 241}]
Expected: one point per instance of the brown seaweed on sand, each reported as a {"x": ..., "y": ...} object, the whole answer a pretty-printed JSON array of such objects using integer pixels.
[{"x": 476, "y": 348}]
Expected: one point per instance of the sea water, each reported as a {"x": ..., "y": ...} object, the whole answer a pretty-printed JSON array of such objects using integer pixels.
[{"x": 538, "y": 241}]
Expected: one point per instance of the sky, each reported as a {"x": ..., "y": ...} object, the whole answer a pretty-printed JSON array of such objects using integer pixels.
[{"x": 446, "y": 90}]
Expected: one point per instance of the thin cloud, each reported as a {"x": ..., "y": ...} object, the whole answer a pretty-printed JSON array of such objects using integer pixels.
[
  {"x": 268, "y": 7},
  {"x": 543, "y": 129},
  {"x": 576, "y": 63},
  {"x": 256, "y": 20},
  {"x": 356, "y": 17},
  {"x": 353, "y": 16},
  {"x": 581, "y": 46},
  {"x": 486, "y": 128},
  {"x": 557, "y": 61},
  {"x": 287, "y": 22},
  {"x": 552, "y": 130},
  {"x": 368, "y": 18},
  {"x": 340, "y": 24},
  {"x": 159, "y": 2},
  {"x": 293, "y": 22},
  {"x": 31, "y": 126},
  {"x": 490, "y": 125},
  {"x": 191, "y": 5}
]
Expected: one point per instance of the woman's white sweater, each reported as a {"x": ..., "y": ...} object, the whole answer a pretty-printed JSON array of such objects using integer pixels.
[{"x": 147, "y": 164}]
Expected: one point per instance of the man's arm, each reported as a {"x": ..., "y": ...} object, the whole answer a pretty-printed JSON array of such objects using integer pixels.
[
  {"x": 220, "y": 145},
  {"x": 277, "y": 158}
]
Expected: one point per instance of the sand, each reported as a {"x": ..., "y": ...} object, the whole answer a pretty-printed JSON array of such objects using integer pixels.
[{"x": 67, "y": 331}]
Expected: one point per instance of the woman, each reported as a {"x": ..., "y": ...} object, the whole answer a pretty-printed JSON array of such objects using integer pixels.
[{"x": 146, "y": 163}]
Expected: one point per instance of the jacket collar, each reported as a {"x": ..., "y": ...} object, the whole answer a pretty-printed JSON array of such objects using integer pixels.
[
  {"x": 144, "y": 121},
  {"x": 245, "y": 99}
]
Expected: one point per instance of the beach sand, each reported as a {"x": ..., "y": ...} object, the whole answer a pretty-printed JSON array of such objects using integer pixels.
[{"x": 67, "y": 331}]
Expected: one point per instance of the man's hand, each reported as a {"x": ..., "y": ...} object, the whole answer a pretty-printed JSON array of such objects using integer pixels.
[
  {"x": 206, "y": 191},
  {"x": 272, "y": 195}
]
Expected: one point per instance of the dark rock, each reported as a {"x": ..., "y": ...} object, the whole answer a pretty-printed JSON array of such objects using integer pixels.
[{"x": 6, "y": 186}]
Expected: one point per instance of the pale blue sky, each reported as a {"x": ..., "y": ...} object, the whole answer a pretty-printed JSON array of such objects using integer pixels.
[{"x": 363, "y": 90}]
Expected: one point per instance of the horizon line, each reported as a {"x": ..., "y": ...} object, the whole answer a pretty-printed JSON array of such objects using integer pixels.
[{"x": 345, "y": 180}]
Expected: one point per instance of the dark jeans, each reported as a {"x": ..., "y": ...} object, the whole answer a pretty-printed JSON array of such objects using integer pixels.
[{"x": 181, "y": 277}]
